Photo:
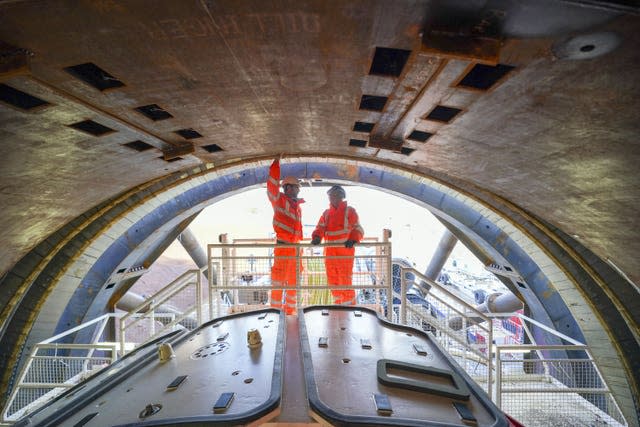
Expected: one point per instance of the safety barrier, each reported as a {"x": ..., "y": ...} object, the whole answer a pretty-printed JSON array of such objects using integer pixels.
[
  {"x": 552, "y": 385},
  {"x": 539, "y": 385},
  {"x": 458, "y": 327},
  {"x": 240, "y": 274},
  {"x": 173, "y": 306},
  {"x": 56, "y": 364}
]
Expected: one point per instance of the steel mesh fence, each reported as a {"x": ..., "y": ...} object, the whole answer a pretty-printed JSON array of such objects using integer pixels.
[
  {"x": 542, "y": 388},
  {"x": 53, "y": 368},
  {"x": 242, "y": 276},
  {"x": 452, "y": 322},
  {"x": 176, "y": 306}
]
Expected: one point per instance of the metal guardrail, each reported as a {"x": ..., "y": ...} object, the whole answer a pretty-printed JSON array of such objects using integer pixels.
[
  {"x": 240, "y": 274},
  {"x": 54, "y": 366},
  {"x": 539, "y": 385},
  {"x": 451, "y": 320},
  {"x": 170, "y": 307},
  {"x": 552, "y": 385},
  {"x": 554, "y": 391}
]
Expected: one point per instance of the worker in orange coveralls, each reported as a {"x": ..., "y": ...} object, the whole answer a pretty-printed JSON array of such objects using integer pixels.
[
  {"x": 339, "y": 224},
  {"x": 287, "y": 224}
]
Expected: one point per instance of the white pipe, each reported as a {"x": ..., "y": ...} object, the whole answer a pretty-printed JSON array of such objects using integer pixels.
[{"x": 494, "y": 303}]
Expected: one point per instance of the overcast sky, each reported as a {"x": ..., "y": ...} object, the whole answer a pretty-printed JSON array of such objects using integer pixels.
[{"x": 416, "y": 231}]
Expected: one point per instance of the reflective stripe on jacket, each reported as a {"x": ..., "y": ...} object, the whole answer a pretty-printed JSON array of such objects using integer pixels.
[
  {"x": 287, "y": 215},
  {"x": 339, "y": 224}
]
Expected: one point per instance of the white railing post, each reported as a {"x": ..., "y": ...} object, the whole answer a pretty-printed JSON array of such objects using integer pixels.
[
  {"x": 199, "y": 301},
  {"x": 298, "y": 264},
  {"x": 498, "y": 398},
  {"x": 210, "y": 280},
  {"x": 490, "y": 361},
  {"x": 387, "y": 250},
  {"x": 122, "y": 335},
  {"x": 403, "y": 296}
]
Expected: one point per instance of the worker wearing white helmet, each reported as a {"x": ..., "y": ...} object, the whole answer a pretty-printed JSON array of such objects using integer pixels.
[
  {"x": 287, "y": 224},
  {"x": 339, "y": 224}
]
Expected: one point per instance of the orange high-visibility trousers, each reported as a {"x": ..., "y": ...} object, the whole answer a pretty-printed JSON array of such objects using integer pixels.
[
  {"x": 283, "y": 274},
  {"x": 339, "y": 273}
]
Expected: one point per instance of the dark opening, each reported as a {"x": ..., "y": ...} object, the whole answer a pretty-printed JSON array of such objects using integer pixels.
[
  {"x": 138, "y": 145},
  {"x": 122, "y": 270},
  {"x": 373, "y": 102},
  {"x": 188, "y": 133},
  {"x": 154, "y": 112},
  {"x": 363, "y": 127},
  {"x": 389, "y": 62},
  {"x": 358, "y": 143},
  {"x": 406, "y": 150},
  {"x": 508, "y": 268},
  {"x": 587, "y": 48},
  {"x": 418, "y": 135},
  {"x": 212, "y": 148},
  {"x": 443, "y": 114},
  {"x": 94, "y": 75},
  {"x": 94, "y": 128},
  {"x": 110, "y": 285},
  {"x": 522, "y": 285},
  {"x": 18, "y": 98},
  {"x": 484, "y": 76}
]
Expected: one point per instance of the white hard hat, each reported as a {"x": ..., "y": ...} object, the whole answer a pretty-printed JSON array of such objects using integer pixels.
[{"x": 291, "y": 180}]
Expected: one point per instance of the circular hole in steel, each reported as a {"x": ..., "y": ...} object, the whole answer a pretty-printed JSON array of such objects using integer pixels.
[
  {"x": 346, "y": 360},
  {"x": 234, "y": 373},
  {"x": 266, "y": 326},
  {"x": 101, "y": 403},
  {"x": 270, "y": 320},
  {"x": 248, "y": 380},
  {"x": 343, "y": 328},
  {"x": 129, "y": 389},
  {"x": 409, "y": 335},
  {"x": 587, "y": 48}
]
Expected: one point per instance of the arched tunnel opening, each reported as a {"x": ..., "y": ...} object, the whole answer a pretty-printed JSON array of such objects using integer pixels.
[{"x": 78, "y": 279}]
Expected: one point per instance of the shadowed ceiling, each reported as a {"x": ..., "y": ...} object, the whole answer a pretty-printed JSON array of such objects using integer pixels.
[{"x": 556, "y": 134}]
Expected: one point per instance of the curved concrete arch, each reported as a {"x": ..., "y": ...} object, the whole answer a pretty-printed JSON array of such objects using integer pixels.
[{"x": 145, "y": 214}]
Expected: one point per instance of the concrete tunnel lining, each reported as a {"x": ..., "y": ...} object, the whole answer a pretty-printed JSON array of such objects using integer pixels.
[{"x": 81, "y": 289}]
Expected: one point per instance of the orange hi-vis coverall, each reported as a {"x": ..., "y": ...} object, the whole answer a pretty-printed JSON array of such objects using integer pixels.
[
  {"x": 337, "y": 225},
  {"x": 287, "y": 224}
]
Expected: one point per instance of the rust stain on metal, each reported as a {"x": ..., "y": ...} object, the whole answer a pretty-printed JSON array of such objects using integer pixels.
[
  {"x": 350, "y": 172},
  {"x": 450, "y": 45},
  {"x": 386, "y": 143}
]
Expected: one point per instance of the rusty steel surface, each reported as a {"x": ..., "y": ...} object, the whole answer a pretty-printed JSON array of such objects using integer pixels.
[{"x": 558, "y": 135}]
